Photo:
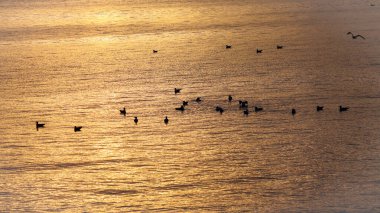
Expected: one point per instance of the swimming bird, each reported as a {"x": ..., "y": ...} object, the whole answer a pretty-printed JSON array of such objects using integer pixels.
[
  {"x": 259, "y": 51},
  {"x": 258, "y": 109},
  {"x": 293, "y": 111},
  {"x": 343, "y": 109},
  {"x": 243, "y": 104},
  {"x": 182, "y": 108},
  {"x": 319, "y": 108},
  {"x": 246, "y": 112},
  {"x": 177, "y": 90},
  {"x": 166, "y": 120},
  {"x": 123, "y": 111},
  {"x": 136, "y": 120},
  {"x": 229, "y": 98},
  {"x": 355, "y": 36},
  {"x": 228, "y": 46},
  {"x": 279, "y": 47},
  {"x": 39, "y": 125},
  {"x": 77, "y": 128},
  {"x": 219, "y": 109},
  {"x": 185, "y": 103},
  {"x": 198, "y": 100},
  {"x": 155, "y": 51}
]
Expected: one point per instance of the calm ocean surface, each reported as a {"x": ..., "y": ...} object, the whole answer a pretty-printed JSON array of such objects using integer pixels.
[{"x": 67, "y": 63}]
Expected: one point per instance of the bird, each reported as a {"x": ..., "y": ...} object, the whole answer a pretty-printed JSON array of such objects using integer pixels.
[
  {"x": 293, "y": 111},
  {"x": 229, "y": 98},
  {"x": 243, "y": 104},
  {"x": 246, "y": 112},
  {"x": 123, "y": 111},
  {"x": 182, "y": 108},
  {"x": 39, "y": 125},
  {"x": 155, "y": 51},
  {"x": 279, "y": 47},
  {"x": 198, "y": 99},
  {"x": 185, "y": 103},
  {"x": 219, "y": 109},
  {"x": 258, "y": 109},
  {"x": 136, "y": 120},
  {"x": 355, "y": 36},
  {"x": 166, "y": 120},
  {"x": 342, "y": 109},
  {"x": 77, "y": 128},
  {"x": 259, "y": 51},
  {"x": 228, "y": 46},
  {"x": 319, "y": 108},
  {"x": 177, "y": 90}
]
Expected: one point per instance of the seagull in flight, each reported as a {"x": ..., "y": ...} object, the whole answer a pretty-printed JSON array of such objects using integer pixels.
[{"x": 355, "y": 36}]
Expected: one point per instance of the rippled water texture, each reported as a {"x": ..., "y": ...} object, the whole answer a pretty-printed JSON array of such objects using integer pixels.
[{"x": 76, "y": 63}]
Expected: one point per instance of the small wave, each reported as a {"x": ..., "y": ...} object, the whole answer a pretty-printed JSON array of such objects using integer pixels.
[{"x": 117, "y": 192}]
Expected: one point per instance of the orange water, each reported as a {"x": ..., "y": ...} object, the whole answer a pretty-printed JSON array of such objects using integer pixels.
[{"x": 76, "y": 63}]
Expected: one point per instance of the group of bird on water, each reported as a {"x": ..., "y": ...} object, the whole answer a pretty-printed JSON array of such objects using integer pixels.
[{"x": 242, "y": 104}]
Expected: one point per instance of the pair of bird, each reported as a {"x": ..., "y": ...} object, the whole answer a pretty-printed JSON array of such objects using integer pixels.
[{"x": 42, "y": 125}]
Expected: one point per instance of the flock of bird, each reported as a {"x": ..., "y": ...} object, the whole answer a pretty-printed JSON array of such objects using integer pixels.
[{"x": 242, "y": 104}]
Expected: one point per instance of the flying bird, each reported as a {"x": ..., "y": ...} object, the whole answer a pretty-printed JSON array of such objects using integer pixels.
[
  {"x": 279, "y": 47},
  {"x": 355, "y": 36},
  {"x": 155, "y": 51},
  {"x": 77, "y": 128},
  {"x": 319, "y": 108},
  {"x": 259, "y": 51},
  {"x": 228, "y": 46}
]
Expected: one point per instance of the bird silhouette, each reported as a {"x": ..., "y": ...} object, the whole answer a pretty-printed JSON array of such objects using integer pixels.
[
  {"x": 259, "y": 51},
  {"x": 343, "y": 109},
  {"x": 39, "y": 125},
  {"x": 182, "y": 108},
  {"x": 355, "y": 36},
  {"x": 243, "y": 104},
  {"x": 136, "y": 120},
  {"x": 279, "y": 47},
  {"x": 246, "y": 112},
  {"x": 185, "y": 103},
  {"x": 293, "y": 111},
  {"x": 228, "y": 46},
  {"x": 166, "y": 120},
  {"x": 155, "y": 51},
  {"x": 198, "y": 100},
  {"x": 77, "y": 128},
  {"x": 219, "y": 109},
  {"x": 258, "y": 109},
  {"x": 319, "y": 108},
  {"x": 123, "y": 111},
  {"x": 177, "y": 90},
  {"x": 229, "y": 98}
]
